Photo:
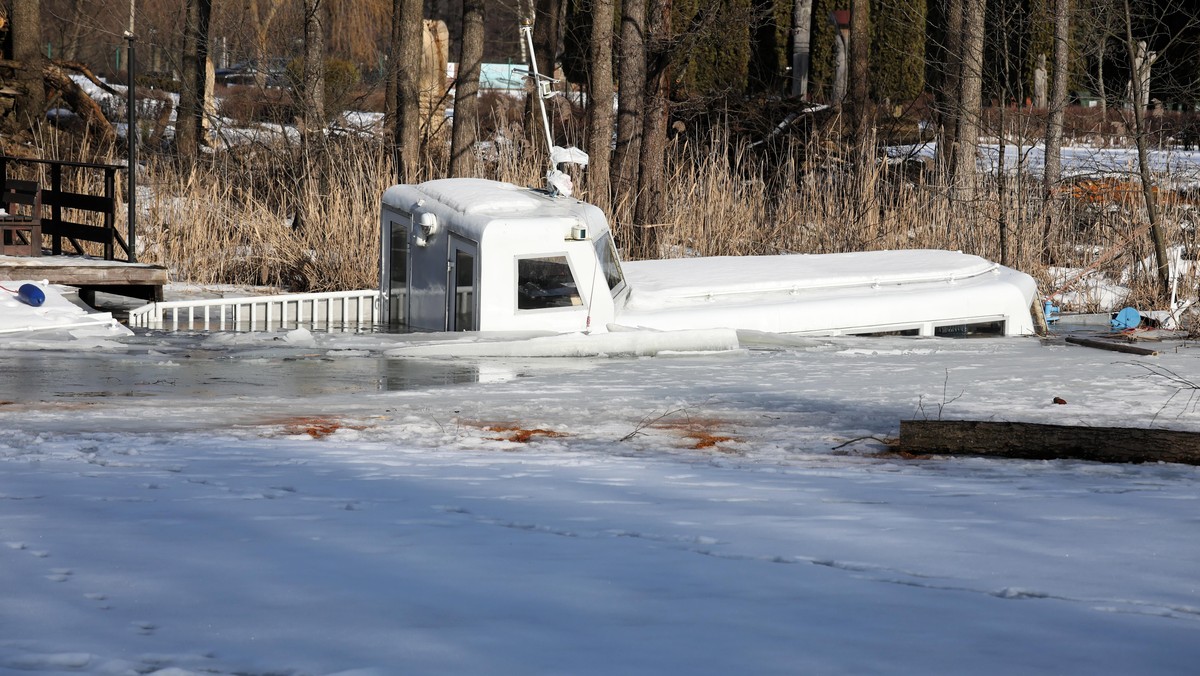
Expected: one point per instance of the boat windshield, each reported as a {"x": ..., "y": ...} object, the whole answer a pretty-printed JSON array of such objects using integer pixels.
[{"x": 606, "y": 254}]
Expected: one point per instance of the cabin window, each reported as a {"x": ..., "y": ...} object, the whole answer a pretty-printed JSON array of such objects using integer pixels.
[
  {"x": 545, "y": 283},
  {"x": 398, "y": 275},
  {"x": 610, "y": 265}
]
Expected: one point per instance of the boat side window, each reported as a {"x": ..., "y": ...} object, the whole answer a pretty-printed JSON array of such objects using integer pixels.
[
  {"x": 545, "y": 282},
  {"x": 610, "y": 265}
]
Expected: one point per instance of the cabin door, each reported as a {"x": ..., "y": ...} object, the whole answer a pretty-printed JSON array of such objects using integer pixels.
[
  {"x": 462, "y": 311},
  {"x": 396, "y": 270}
]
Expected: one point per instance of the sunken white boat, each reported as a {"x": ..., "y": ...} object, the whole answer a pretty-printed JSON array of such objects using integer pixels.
[{"x": 476, "y": 255}]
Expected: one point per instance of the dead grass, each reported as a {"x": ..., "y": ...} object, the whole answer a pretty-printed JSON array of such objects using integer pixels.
[{"x": 231, "y": 218}]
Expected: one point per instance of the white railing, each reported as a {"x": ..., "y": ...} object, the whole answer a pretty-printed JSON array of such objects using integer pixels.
[{"x": 330, "y": 311}]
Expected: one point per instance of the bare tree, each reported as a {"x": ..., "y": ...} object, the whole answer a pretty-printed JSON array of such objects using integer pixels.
[
  {"x": 312, "y": 111},
  {"x": 801, "y": 37},
  {"x": 407, "y": 28},
  {"x": 970, "y": 102},
  {"x": 466, "y": 91},
  {"x": 189, "y": 119},
  {"x": 651, "y": 206},
  {"x": 26, "y": 35},
  {"x": 860, "y": 44},
  {"x": 316, "y": 17},
  {"x": 600, "y": 99},
  {"x": 1052, "y": 165},
  {"x": 1139, "y": 82},
  {"x": 949, "y": 93},
  {"x": 631, "y": 74},
  {"x": 261, "y": 14}
]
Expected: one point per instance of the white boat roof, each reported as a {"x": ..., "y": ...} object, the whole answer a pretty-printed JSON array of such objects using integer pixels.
[
  {"x": 478, "y": 202},
  {"x": 685, "y": 281},
  {"x": 827, "y": 294}
]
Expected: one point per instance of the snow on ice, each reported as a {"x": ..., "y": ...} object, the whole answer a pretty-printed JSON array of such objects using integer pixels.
[{"x": 308, "y": 503}]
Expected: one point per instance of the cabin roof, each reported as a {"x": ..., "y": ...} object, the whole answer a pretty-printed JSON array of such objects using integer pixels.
[{"x": 476, "y": 203}]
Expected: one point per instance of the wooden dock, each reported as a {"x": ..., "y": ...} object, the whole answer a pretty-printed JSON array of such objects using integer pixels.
[{"x": 90, "y": 275}]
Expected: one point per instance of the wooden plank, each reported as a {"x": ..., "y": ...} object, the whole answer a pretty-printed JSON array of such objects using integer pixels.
[
  {"x": 104, "y": 274},
  {"x": 1036, "y": 441},
  {"x": 1113, "y": 346},
  {"x": 88, "y": 233},
  {"x": 75, "y": 200}
]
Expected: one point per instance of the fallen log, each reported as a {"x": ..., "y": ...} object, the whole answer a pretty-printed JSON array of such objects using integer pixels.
[
  {"x": 1036, "y": 441},
  {"x": 1102, "y": 344}
]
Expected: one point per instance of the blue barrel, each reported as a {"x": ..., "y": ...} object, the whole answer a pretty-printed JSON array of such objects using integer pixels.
[{"x": 29, "y": 294}]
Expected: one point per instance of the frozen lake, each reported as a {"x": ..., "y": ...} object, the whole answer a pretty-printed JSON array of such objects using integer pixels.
[{"x": 309, "y": 505}]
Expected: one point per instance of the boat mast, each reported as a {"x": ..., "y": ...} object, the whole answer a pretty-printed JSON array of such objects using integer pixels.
[{"x": 541, "y": 82}]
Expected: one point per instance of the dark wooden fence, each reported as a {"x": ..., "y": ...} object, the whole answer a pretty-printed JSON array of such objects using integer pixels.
[{"x": 56, "y": 201}]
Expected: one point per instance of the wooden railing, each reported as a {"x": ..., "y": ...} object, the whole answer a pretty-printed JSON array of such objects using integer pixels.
[{"x": 56, "y": 201}]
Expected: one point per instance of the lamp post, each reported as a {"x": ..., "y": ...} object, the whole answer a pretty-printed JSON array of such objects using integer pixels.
[{"x": 131, "y": 137}]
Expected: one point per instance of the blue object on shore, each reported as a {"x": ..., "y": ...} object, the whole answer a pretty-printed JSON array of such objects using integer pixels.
[
  {"x": 1050, "y": 310},
  {"x": 1128, "y": 318},
  {"x": 29, "y": 294}
]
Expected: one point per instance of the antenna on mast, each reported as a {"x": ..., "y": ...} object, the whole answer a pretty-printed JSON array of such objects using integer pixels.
[{"x": 557, "y": 182}]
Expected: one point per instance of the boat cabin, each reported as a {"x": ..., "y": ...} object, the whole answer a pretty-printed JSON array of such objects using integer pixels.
[{"x": 550, "y": 261}]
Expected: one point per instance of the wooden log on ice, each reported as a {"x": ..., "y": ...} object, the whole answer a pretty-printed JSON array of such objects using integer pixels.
[
  {"x": 1035, "y": 441},
  {"x": 1102, "y": 344}
]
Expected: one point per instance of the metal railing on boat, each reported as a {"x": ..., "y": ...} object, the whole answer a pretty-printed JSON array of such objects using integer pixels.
[{"x": 327, "y": 311}]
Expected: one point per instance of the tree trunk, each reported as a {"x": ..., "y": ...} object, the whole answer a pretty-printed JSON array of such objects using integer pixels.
[
  {"x": 58, "y": 81},
  {"x": 189, "y": 121},
  {"x": 631, "y": 103},
  {"x": 600, "y": 98},
  {"x": 963, "y": 176},
  {"x": 80, "y": 17},
  {"x": 1052, "y": 168},
  {"x": 316, "y": 17},
  {"x": 407, "y": 27},
  {"x": 1139, "y": 84},
  {"x": 801, "y": 36},
  {"x": 860, "y": 44},
  {"x": 466, "y": 91},
  {"x": 948, "y": 94},
  {"x": 261, "y": 25},
  {"x": 26, "y": 35},
  {"x": 651, "y": 206}
]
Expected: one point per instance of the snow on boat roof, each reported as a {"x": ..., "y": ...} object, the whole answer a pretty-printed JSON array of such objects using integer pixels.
[
  {"x": 480, "y": 196},
  {"x": 686, "y": 280},
  {"x": 477, "y": 196}
]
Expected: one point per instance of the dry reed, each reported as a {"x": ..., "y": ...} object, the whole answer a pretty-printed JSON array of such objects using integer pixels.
[{"x": 231, "y": 218}]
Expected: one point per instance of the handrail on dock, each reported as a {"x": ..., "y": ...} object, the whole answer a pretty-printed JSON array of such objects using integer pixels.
[
  {"x": 57, "y": 200},
  {"x": 326, "y": 311}
]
